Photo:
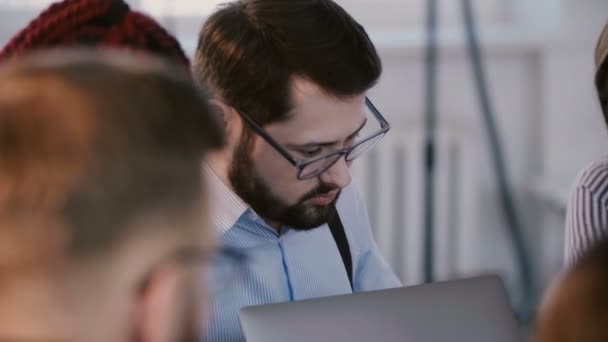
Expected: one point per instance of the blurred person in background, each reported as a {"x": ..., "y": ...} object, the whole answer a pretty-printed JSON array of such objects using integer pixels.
[
  {"x": 103, "y": 231},
  {"x": 587, "y": 209},
  {"x": 289, "y": 79},
  {"x": 576, "y": 307},
  {"x": 95, "y": 23}
]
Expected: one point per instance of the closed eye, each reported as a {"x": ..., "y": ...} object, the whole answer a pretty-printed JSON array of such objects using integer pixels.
[
  {"x": 350, "y": 140},
  {"x": 327, "y": 143},
  {"x": 309, "y": 153}
]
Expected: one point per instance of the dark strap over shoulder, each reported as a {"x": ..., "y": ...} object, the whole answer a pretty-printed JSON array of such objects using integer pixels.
[{"x": 337, "y": 231}]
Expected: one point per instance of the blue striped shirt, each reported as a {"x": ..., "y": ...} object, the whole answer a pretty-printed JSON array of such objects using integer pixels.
[
  {"x": 290, "y": 265},
  {"x": 587, "y": 210}
]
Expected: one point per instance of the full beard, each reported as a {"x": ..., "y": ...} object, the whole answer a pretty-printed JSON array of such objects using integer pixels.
[{"x": 252, "y": 189}]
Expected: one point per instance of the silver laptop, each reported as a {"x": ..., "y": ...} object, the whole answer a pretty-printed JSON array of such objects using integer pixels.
[{"x": 468, "y": 310}]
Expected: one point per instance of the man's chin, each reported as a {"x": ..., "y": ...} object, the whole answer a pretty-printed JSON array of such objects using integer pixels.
[
  {"x": 308, "y": 218},
  {"x": 308, "y": 227}
]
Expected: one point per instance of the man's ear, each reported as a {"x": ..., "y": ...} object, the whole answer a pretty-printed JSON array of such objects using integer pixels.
[
  {"x": 231, "y": 120},
  {"x": 156, "y": 314}
]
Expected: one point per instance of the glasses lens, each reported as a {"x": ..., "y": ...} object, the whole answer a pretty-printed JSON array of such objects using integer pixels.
[
  {"x": 319, "y": 166},
  {"x": 363, "y": 147},
  {"x": 224, "y": 268}
]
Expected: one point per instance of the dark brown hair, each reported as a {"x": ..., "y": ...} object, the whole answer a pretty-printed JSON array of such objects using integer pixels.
[{"x": 249, "y": 50}]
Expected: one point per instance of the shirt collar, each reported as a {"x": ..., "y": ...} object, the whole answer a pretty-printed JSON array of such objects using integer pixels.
[{"x": 225, "y": 206}]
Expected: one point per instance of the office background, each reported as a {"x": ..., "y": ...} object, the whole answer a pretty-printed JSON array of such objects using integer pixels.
[{"x": 539, "y": 61}]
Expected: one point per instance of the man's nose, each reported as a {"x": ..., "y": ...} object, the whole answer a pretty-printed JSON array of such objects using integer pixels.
[{"x": 338, "y": 175}]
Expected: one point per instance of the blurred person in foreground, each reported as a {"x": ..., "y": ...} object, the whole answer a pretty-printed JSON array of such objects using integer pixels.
[
  {"x": 103, "y": 232},
  {"x": 576, "y": 306},
  {"x": 587, "y": 209}
]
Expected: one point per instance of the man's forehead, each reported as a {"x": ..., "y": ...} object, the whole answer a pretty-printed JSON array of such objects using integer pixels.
[
  {"x": 311, "y": 103},
  {"x": 301, "y": 87},
  {"x": 316, "y": 116},
  {"x": 303, "y": 92}
]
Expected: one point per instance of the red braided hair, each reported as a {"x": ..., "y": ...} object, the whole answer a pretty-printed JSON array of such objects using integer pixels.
[{"x": 95, "y": 22}]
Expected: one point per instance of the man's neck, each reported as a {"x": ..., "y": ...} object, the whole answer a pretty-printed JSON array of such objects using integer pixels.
[
  {"x": 218, "y": 164},
  {"x": 273, "y": 224},
  {"x": 216, "y": 161},
  {"x": 31, "y": 310}
]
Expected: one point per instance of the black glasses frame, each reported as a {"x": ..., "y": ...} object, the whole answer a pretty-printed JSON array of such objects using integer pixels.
[{"x": 301, "y": 164}]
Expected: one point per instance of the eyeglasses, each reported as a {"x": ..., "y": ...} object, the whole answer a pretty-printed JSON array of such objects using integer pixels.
[
  {"x": 313, "y": 167},
  {"x": 224, "y": 266}
]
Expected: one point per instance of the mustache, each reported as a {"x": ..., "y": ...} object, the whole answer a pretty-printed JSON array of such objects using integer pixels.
[{"x": 320, "y": 190}]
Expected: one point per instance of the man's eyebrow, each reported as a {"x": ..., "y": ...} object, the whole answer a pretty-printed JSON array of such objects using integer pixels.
[{"x": 327, "y": 143}]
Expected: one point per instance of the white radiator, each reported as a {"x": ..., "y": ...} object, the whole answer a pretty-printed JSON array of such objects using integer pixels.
[{"x": 391, "y": 180}]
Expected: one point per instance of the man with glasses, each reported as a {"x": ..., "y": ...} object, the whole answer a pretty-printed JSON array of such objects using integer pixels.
[
  {"x": 289, "y": 79},
  {"x": 103, "y": 227}
]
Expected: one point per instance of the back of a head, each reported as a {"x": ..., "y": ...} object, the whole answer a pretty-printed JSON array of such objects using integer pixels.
[
  {"x": 249, "y": 51},
  {"x": 99, "y": 23},
  {"x": 89, "y": 144},
  {"x": 576, "y": 307},
  {"x": 100, "y": 182}
]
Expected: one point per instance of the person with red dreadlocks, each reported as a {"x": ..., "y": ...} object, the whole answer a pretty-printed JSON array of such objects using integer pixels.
[{"x": 96, "y": 23}]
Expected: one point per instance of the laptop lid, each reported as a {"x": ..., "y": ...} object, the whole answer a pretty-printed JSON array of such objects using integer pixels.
[{"x": 467, "y": 310}]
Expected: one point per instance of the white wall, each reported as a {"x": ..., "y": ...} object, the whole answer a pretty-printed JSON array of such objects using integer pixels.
[
  {"x": 541, "y": 81},
  {"x": 539, "y": 60}
]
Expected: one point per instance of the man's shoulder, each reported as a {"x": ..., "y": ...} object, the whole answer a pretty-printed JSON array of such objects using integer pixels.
[{"x": 594, "y": 176}]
